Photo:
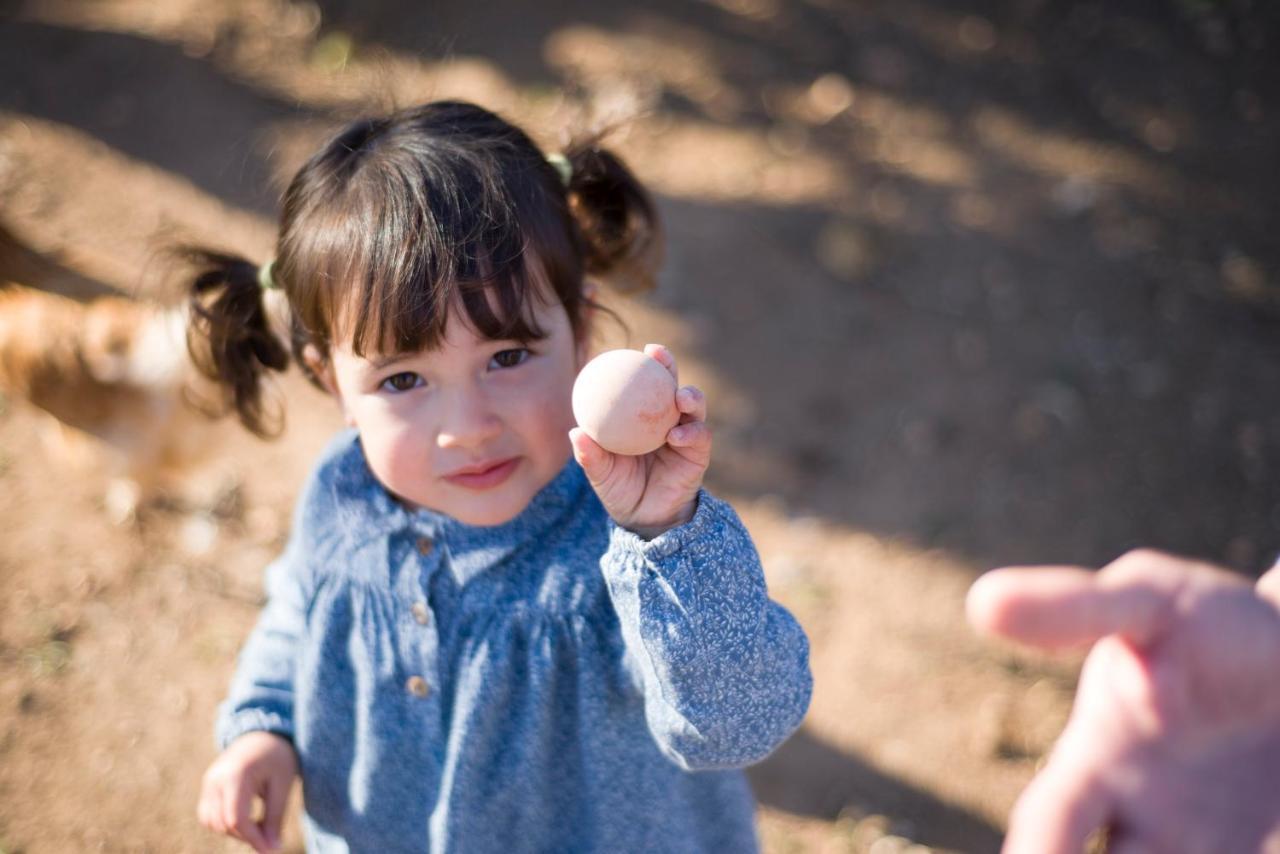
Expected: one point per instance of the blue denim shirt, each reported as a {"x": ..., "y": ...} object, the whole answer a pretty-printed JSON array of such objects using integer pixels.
[{"x": 553, "y": 683}]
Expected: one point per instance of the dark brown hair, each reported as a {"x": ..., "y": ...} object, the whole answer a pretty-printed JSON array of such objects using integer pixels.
[{"x": 397, "y": 217}]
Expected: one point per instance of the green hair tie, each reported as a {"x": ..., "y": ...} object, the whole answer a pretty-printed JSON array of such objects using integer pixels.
[
  {"x": 265, "y": 281},
  {"x": 563, "y": 167}
]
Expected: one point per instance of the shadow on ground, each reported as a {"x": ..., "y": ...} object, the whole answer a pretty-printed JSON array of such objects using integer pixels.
[
  {"x": 20, "y": 263},
  {"x": 809, "y": 778}
]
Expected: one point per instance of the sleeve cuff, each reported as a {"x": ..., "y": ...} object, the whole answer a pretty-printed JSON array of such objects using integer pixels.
[
  {"x": 236, "y": 724},
  {"x": 707, "y": 521}
]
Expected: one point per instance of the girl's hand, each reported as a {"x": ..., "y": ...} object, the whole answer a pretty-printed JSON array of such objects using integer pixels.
[
  {"x": 257, "y": 764},
  {"x": 653, "y": 493}
]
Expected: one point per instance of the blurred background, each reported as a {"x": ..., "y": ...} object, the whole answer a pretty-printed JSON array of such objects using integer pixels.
[{"x": 967, "y": 284}]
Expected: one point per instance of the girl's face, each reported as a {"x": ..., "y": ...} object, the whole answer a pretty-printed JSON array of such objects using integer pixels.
[{"x": 473, "y": 429}]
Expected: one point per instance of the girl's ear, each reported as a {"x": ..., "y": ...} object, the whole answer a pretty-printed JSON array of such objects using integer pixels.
[
  {"x": 587, "y": 322},
  {"x": 321, "y": 368}
]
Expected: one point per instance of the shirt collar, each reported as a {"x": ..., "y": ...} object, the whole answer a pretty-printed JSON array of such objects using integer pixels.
[{"x": 371, "y": 511}]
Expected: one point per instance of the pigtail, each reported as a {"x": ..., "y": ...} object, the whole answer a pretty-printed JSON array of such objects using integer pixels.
[
  {"x": 622, "y": 239},
  {"x": 230, "y": 336}
]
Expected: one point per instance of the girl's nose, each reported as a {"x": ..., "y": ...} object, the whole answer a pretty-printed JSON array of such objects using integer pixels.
[{"x": 469, "y": 422}]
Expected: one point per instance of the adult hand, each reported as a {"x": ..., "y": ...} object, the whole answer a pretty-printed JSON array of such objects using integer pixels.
[
  {"x": 257, "y": 764},
  {"x": 1173, "y": 743},
  {"x": 655, "y": 492}
]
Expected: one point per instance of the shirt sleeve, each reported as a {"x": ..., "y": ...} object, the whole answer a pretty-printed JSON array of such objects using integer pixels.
[
  {"x": 262, "y": 690},
  {"x": 724, "y": 669}
]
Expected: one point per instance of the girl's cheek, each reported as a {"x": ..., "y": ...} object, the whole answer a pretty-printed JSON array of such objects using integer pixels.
[
  {"x": 399, "y": 455},
  {"x": 550, "y": 396},
  {"x": 390, "y": 432}
]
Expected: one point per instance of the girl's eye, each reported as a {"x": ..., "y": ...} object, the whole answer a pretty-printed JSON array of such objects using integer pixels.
[
  {"x": 510, "y": 358},
  {"x": 403, "y": 381}
]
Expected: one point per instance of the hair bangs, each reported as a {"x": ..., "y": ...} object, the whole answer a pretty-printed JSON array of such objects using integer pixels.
[
  {"x": 399, "y": 224},
  {"x": 383, "y": 270}
]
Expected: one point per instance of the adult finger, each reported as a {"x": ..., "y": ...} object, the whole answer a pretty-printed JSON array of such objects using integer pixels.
[
  {"x": 1058, "y": 811},
  {"x": 692, "y": 404},
  {"x": 1055, "y": 607},
  {"x": 1268, "y": 586},
  {"x": 1123, "y": 843},
  {"x": 664, "y": 358}
]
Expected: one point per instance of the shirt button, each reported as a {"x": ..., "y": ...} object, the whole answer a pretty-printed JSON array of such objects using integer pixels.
[
  {"x": 420, "y": 613},
  {"x": 425, "y": 545},
  {"x": 418, "y": 686}
]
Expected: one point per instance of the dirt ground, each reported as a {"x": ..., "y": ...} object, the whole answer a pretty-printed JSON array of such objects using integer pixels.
[{"x": 966, "y": 284}]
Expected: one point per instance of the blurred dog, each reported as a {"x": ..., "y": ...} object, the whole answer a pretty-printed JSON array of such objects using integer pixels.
[{"x": 111, "y": 369}]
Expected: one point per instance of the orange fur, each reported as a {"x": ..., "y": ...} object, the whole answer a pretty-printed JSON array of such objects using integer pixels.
[{"x": 111, "y": 369}]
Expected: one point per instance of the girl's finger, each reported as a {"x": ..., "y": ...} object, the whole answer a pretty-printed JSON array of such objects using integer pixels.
[
  {"x": 664, "y": 358},
  {"x": 596, "y": 462},
  {"x": 227, "y": 807},
  {"x": 220, "y": 812},
  {"x": 692, "y": 404},
  {"x": 693, "y": 436},
  {"x": 205, "y": 811},
  {"x": 274, "y": 800},
  {"x": 244, "y": 826}
]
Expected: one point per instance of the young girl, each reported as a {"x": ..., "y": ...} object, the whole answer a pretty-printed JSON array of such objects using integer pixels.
[{"x": 473, "y": 642}]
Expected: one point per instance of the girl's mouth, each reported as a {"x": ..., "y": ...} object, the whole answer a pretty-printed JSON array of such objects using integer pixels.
[{"x": 484, "y": 475}]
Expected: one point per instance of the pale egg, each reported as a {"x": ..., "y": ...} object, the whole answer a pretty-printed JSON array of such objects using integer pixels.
[{"x": 626, "y": 401}]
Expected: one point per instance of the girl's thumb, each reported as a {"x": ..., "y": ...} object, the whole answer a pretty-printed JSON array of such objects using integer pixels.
[
  {"x": 593, "y": 458},
  {"x": 273, "y": 802}
]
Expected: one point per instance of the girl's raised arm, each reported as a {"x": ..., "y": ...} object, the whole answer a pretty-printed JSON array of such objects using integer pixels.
[{"x": 725, "y": 670}]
